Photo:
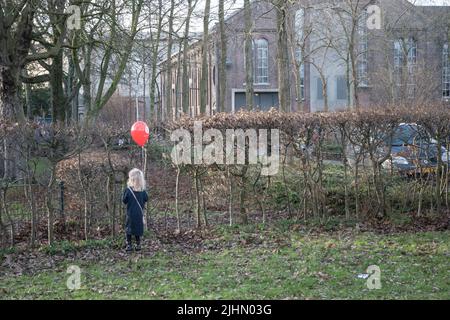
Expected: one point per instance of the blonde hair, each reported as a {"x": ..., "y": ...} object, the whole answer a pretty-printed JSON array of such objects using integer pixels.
[{"x": 136, "y": 180}]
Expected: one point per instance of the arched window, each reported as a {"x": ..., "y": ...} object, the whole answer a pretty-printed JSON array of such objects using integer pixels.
[
  {"x": 445, "y": 72},
  {"x": 405, "y": 61},
  {"x": 412, "y": 51},
  {"x": 261, "y": 61},
  {"x": 405, "y": 49},
  {"x": 398, "y": 53}
]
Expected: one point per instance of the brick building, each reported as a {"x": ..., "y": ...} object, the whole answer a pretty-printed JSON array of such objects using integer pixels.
[{"x": 406, "y": 60}]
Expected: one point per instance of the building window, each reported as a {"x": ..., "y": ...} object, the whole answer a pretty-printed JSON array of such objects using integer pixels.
[
  {"x": 363, "y": 48},
  {"x": 398, "y": 54},
  {"x": 405, "y": 60},
  {"x": 341, "y": 88},
  {"x": 445, "y": 72},
  {"x": 301, "y": 72},
  {"x": 261, "y": 61},
  {"x": 405, "y": 50},
  {"x": 412, "y": 51}
]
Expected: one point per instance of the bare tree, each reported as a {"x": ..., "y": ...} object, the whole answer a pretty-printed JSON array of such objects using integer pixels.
[
  {"x": 16, "y": 28},
  {"x": 248, "y": 44},
  {"x": 168, "y": 88},
  {"x": 185, "y": 80},
  {"x": 155, "y": 37},
  {"x": 282, "y": 8},
  {"x": 223, "y": 57},
  {"x": 205, "y": 66},
  {"x": 113, "y": 53}
]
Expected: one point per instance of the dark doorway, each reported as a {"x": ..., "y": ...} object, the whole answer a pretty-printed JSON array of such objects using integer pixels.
[{"x": 262, "y": 100}]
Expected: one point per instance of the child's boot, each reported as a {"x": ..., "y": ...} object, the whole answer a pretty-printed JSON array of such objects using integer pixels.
[
  {"x": 129, "y": 247},
  {"x": 138, "y": 243},
  {"x": 138, "y": 246}
]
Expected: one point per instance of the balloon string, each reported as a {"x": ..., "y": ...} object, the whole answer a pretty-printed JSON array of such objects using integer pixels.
[{"x": 144, "y": 151}]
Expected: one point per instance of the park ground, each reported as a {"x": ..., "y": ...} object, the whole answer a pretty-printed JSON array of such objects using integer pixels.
[{"x": 279, "y": 260}]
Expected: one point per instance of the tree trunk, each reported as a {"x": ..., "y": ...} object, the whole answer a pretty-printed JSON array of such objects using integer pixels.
[
  {"x": 177, "y": 205},
  {"x": 249, "y": 72},
  {"x": 58, "y": 100},
  {"x": 10, "y": 106},
  {"x": 230, "y": 196},
  {"x": 243, "y": 196},
  {"x": 223, "y": 59},
  {"x": 168, "y": 89},
  {"x": 185, "y": 82},
  {"x": 2, "y": 227},
  {"x": 198, "y": 207},
  {"x": 355, "y": 84},
  {"x": 87, "y": 97},
  {"x": 205, "y": 66},
  {"x": 49, "y": 205},
  {"x": 14, "y": 48},
  {"x": 283, "y": 57},
  {"x": 203, "y": 204},
  {"x": 154, "y": 74},
  {"x": 28, "y": 98},
  {"x": 33, "y": 215}
]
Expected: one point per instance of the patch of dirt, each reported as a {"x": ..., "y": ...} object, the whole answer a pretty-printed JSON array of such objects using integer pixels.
[
  {"x": 28, "y": 261},
  {"x": 415, "y": 224},
  {"x": 69, "y": 230}
]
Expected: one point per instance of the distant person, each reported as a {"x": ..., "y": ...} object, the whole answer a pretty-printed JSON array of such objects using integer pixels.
[{"x": 135, "y": 198}]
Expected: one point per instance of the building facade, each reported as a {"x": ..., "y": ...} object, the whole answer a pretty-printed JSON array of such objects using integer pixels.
[{"x": 339, "y": 58}]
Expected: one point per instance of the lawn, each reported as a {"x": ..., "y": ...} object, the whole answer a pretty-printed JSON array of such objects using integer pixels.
[{"x": 248, "y": 264}]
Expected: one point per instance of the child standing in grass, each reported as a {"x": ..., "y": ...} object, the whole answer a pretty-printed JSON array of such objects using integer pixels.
[{"x": 135, "y": 198}]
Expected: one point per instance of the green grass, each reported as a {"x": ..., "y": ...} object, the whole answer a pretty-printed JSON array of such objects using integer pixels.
[
  {"x": 42, "y": 166},
  {"x": 413, "y": 266}
]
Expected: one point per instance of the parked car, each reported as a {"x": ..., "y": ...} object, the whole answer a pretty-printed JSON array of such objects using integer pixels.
[
  {"x": 414, "y": 151},
  {"x": 411, "y": 150}
]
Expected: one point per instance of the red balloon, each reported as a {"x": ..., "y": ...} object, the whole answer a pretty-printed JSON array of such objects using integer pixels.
[{"x": 140, "y": 133}]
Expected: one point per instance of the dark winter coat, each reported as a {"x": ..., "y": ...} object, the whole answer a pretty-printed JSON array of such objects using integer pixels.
[{"x": 135, "y": 220}]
